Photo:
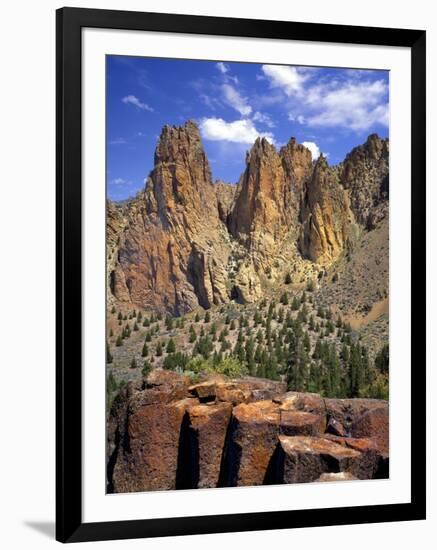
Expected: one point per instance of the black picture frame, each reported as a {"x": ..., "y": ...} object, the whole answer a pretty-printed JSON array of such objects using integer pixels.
[{"x": 69, "y": 525}]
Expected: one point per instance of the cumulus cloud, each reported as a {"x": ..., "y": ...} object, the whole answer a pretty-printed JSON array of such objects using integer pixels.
[
  {"x": 356, "y": 105},
  {"x": 236, "y": 100},
  {"x": 351, "y": 100},
  {"x": 238, "y": 131},
  {"x": 290, "y": 79},
  {"x": 133, "y": 100},
  {"x": 314, "y": 148}
]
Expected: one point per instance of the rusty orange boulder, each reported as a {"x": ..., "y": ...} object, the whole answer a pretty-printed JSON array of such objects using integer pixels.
[
  {"x": 148, "y": 460},
  {"x": 254, "y": 438},
  {"x": 304, "y": 459},
  {"x": 208, "y": 425},
  {"x": 374, "y": 424}
]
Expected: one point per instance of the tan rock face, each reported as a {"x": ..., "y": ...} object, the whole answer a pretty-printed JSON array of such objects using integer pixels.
[
  {"x": 297, "y": 165},
  {"x": 260, "y": 204},
  {"x": 173, "y": 253},
  {"x": 185, "y": 242},
  {"x": 365, "y": 173},
  {"x": 326, "y": 216}
]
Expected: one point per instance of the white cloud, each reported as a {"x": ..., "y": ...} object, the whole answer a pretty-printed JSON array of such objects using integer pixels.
[
  {"x": 355, "y": 105},
  {"x": 290, "y": 79},
  {"x": 120, "y": 181},
  {"x": 238, "y": 131},
  {"x": 263, "y": 118},
  {"x": 350, "y": 99},
  {"x": 132, "y": 100},
  {"x": 314, "y": 148},
  {"x": 118, "y": 141},
  {"x": 222, "y": 67},
  {"x": 235, "y": 100},
  {"x": 299, "y": 118}
]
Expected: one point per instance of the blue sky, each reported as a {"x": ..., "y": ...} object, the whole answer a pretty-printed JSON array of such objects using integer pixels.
[{"x": 330, "y": 110}]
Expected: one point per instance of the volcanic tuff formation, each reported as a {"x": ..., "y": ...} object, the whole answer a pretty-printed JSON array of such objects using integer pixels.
[
  {"x": 186, "y": 242},
  {"x": 165, "y": 434}
]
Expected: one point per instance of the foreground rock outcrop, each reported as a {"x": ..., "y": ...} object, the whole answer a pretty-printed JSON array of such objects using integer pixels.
[{"x": 164, "y": 433}]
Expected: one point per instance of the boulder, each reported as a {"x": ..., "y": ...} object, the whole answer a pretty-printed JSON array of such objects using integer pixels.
[
  {"x": 234, "y": 393},
  {"x": 160, "y": 386},
  {"x": 304, "y": 459},
  {"x": 299, "y": 401},
  {"x": 301, "y": 423},
  {"x": 254, "y": 438},
  {"x": 205, "y": 391},
  {"x": 208, "y": 425},
  {"x": 369, "y": 463},
  {"x": 148, "y": 458},
  {"x": 337, "y": 476},
  {"x": 374, "y": 424},
  {"x": 263, "y": 388},
  {"x": 335, "y": 427},
  {"x": 346, "y": 411}
]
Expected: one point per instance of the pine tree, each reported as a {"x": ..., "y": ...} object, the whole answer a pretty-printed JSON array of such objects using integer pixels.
[
  {"x": 306, "y": 342},
  {"x": 120, "y": 316},
  {"x": 382, "y": 360},
  {"x": 249, "y": 354},
  {"x": 159, "y": 349},
  {"x": 113, "y": 310},
  {"x": 133, "y": 363},
  {"x": 108, "y": 354},
  {"x": 135, "y": 327},
  {"x": 192, "y": 334},
  {"x": 145, "y": 350},
  {"x": 111, "y": 333},
  {"x": 284, "y": 299},
  {"x": 227, "y": 319},
  {"x": 207, "y": 317},
  {"x": 295, "y": 304},
  {"x": 197, "y": 318},
  {"x": 232, "y": 325},
  {"x": 171, "y": 347},
  {"x": 169, "y": 322},
  {"x": 147, "y": 368},
  {"x": 287, "y": 280},
  {"x": 119, "y": 341}
]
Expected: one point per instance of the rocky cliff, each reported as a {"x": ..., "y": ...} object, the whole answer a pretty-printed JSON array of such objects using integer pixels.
[
  {"x": 164, "y": 433},
  {"x": 186, "y": 242}
]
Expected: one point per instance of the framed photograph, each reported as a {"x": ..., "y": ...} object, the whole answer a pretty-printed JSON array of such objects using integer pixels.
[{"x": 240, "y": 274}]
